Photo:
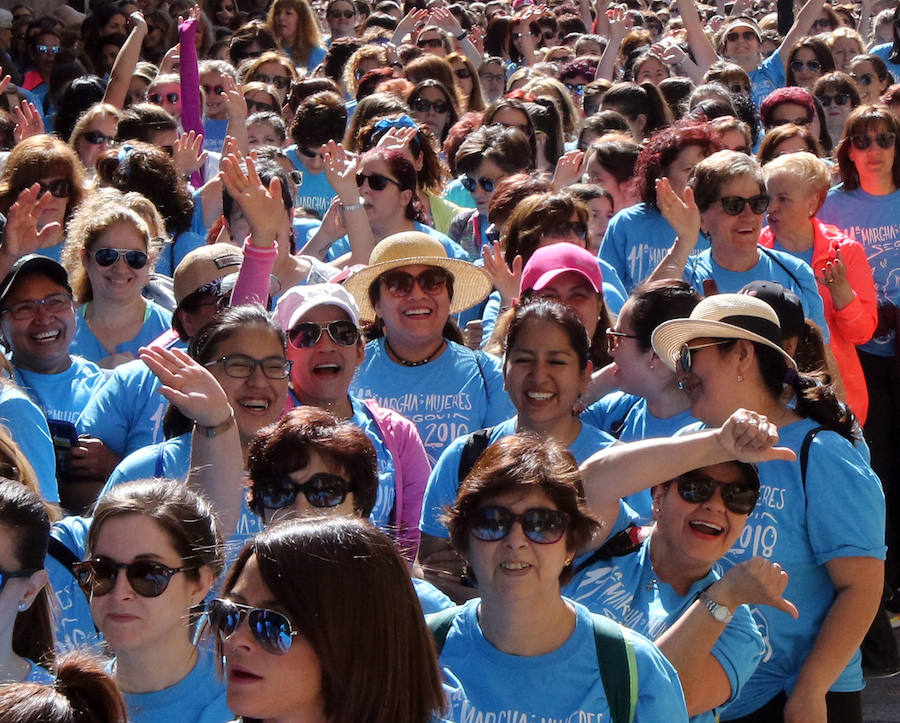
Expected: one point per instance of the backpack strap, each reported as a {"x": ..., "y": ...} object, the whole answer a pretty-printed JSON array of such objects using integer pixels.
[
  {"x": 62, "y": 554},
  {"x": 477, "y": 442},
  {"x": 624, "y": 542},
  {"x": 617, "y": 427},
  {"x": 804, "y": 453},
  {"x": 768, "y": 252},
  {"x": 439, "y": 624},
  {"x": 618, "y": 668}
]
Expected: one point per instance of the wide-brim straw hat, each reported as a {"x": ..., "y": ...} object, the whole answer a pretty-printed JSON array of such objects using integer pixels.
[
  {"x": 471, "y": 284},
  {"x": 722, "y": 316}
]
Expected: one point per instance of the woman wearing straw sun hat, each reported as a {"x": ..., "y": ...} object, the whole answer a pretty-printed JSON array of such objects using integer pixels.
[
  {"x": 821, "y": 516},
  {"x": 414, "y": 363}
]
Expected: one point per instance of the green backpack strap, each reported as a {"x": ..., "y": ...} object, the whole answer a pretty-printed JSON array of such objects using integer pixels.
[
  {"x": 439, "y": 624},
  {"x": 618, "y": 668}
]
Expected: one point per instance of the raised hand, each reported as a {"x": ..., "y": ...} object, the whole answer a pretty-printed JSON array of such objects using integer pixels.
[
  {"x": 568, "y": 170},
  {"x": 506, "y": 280},
  {"x": 398, "y": 139},
  {"x": 22, "y": 234},
  {"x": 262, "y": 207},
  {"x": 171, "y": 60},
  {"x": 750, "y": 437},
  {"x": 756, "y": 581},
  {"x": 620, "y": 22},
  {"x": 445, "y": 20},
  {"x": 834, "y": 276},
  {"x": 681, "y": 212},
  {"x": 28, "y": 121},
  {"x": 189, "y": 155},
  {"x": 668, "y": 53},
  {"x": 235, "y": 104},
  {"x": 138, "y": 22},
  {"x": 340, "y": 170}
]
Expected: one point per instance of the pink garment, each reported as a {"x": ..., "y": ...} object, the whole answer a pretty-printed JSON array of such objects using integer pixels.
[
  {"x": 252, "y": 285},
  {"x": 191, "y": 108}
]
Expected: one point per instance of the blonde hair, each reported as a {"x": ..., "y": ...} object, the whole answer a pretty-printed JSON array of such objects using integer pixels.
[
  {"x": 847, "y": 33},
  {"x": 307, "y": 36},
  {"x": 95, "y": 112},
  {"x": 366, "y": 52},
  {"x": 810, "y": 171},
  {"x": 555, "y": 90}
]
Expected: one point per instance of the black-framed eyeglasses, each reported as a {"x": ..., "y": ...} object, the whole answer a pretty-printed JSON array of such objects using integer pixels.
[
  {"x": 5, "y": 576},
  {"x": 561, "y": 230},
  {"x": 470, "y": 183},
  {"x": 279, "y": 81},
  {"x": 685, "y": 360},
  {"x": 813, "y": 66},
  {"x": 338, "y": 14},
  {"x": 837, "y": 98},
  {"x": 747, "y": 35},
  {"x": 883, "y": 140},
  {"x": 614, "y": 338},
  {"x": 430, "y": 43},
  {"x": 539, "y": 524},
  {"x": 58, "y": 188},
  {"x": 157, "y": 98},
  {"x": 214, "y": 89},
  {"x": 257, "y": 106},
  {"x": 864, "y": 78},
  {"x": 377, "y": 181},
  {"x": 322, "y": 490},
  {"x": 421, "y": 105},
  {"x": 27, "y": 310},
  {"x": 273, "y": 630},
  {"x": 738, "y": 497},
  {"x": 147, "y": 578},
  {"x": 241, "y": 366},
  {"x": 97, "y": 138},
  {"x": 734, "y": 205},
  {"x": 108, "y": 256},
  {"x": 432, "y": 281},
  {"x": 306, "y": 334}
]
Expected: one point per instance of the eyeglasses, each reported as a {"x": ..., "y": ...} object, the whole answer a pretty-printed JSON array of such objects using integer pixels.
[
  {"x": 279, "y": 81},
  {"x": 430, "y": 43},
  {"x": 256, "y": 106},
  {"x": 338, "y": 14},
  {"x": 308, "y": 153},
  {"x": 377, "y": 182},
  {"x": 97, "y": 138},
  {"x": 27, "y": 310},
  {"x": 470, "y": 183},
  {"x": 576, "y": 88},
  {"x": 684, "y": 355},
  {"x": 322, "y": 490},
  {"x": 6, "y": 576},
  {"x": 864, "y": 78},
  {"x": 306, "y": 334},
  {"x": 838, "y": 98},
  {"x": 614, "y": 338},
  {"x": 813, "y": 66},
  {"x": 214, "y": 89},
  {"x": 48, "y": 49},
  {"x": 241, "y": 366},
  {"x": 272, "y": 630},
  {"x": 423, "y": 106},
  {"x": 432, "y": 281},
  {"x": 746, "y": 35},
  {"x": 59, "y": 188},
  {"x": 823, "y": 23},
  {"x": 550, "y": 35},
  {"x": 157, "y": 98},
  {"x": 734, "y": 205},
  {"x": 561, "y": 230},
  {"x": 146, "y": 577},
  {"x": 738, "y": 497},
  {"x": 462, "y": 73},
  {"x": 492, "y": 77},
  {"x": 882, "y": 140},
  {"x": 107, "y": 257},
  {"x": 539, "y": 524},
  {"x": 519, "y": 36}
]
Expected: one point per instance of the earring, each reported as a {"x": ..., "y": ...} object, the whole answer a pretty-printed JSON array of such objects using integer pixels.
[
  {"x": 651, "y": 366},
  {"x": 740, "y": 378},
  {"x": 21, "y": 607},
  {"x": 568, "y": 561}
]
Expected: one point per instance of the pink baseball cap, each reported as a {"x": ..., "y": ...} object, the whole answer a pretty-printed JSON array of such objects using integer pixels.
[{"x": 548, "y": 262}]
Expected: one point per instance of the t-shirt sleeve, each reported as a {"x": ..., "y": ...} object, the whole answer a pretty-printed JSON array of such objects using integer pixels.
[
  {"x": 612, "y": 248},
  {"x": 660, "y": 697},
  {"x": 441, "y": 490},
  {"x": 608, "y": 411},
  {"x": 499, "y": 405},
  {"x": 28, "y": 428},
  {"x": 739, "y": 649}
]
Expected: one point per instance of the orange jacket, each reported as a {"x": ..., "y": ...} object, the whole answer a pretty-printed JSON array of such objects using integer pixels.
[{"x": 856, "y": 322}]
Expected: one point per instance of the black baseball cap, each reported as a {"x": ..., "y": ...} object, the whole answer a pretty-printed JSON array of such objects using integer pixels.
[{"x": 33, "y": 264}]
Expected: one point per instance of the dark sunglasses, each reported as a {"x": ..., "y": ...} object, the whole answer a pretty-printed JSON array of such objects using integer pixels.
[
  {"x": 306, "y": 334},
  {"x": 6, "y": 576},
  {"x": 462, "y": 73},
  {"x": 864, "y": 78},
  {"x": 146, "y": 577},
  {"x": 470, "y": 183},
  {"x": 561, "y": 230},
  {"x": 685, "y": 359},
  {"x": 614, "y": 338},
  {"x": 308, "y": 153},
  {"x": 241, "y": 366},
  {"x": 97, "y": 138},
  {"x": 813, "y": 66},
  {"x": 256, "y": 106},
  {"x": 423, "y": 106},
  {"x": 823, "y": 23},
  {"x": 338, "y": 14},
  {"x": 430, "y": 43},
  {"x": 272, "y": 630},
  {"x": 322, "y": 490},
  {"x": 157, "y": 98},
  {"x": 107, "y": 257},
  {"x": 882, "y": 140},
  {"x": 377, "y": 182},
  {"x": 539, "y": 524},
  {"x": 746, "y": 35},
  {"x": 60, "y": 188},
  {"x": 432, "y": 281},
  {"x": 279, "y": 81},
  {"x": 214, "y": 89},
  {"x": 734, "y": 205},
  {"x": 576, "y": 88},
  {"x": 738, "y": 497},
  {"x": 839, "y": 99}
]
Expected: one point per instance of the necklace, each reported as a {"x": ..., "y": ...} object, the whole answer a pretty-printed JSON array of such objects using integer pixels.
[{"x": 407, "y": 362}]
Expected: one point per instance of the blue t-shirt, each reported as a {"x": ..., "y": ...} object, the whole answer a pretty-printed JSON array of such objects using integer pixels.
[
  {"x": 457, "y": 393},
  {"x": 787, "y": 270},
  {"x": 483, "y": 683},
  {"x": 453, "y": 249},
  {"x": 199, "y": 697},
  {"x": 62, "y": 396},
  {"x": 840, "y": 513},
  {"x": 628, "y": 418},
  {"x": 314, "y": 191},
  {"x": 626, "y": 589},
  {"x": 38, "y": 674},
  {"x": 214, "y": 134},
  {"x": 636, "y": 240},
  {"x": 883, "y": 51},
  {"x": 431, "y": 599},
  {"x": 52, "y": 252},
  {"x": 457, "y": 193},
  {"x": 74, "y": 624},
  {"x": 156, "y": 321},
  {"x": 873, "y": 221},
  {"x": 174, "y": 251},
  {"x": 443, "y": 484},
  {"x": 28, "y": 428},
  {"x": 126, "y": 411},
  {"x": 766, "y": 77}
]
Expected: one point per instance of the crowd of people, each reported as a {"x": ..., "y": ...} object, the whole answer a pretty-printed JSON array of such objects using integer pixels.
[{"x": 426, "y": 361}]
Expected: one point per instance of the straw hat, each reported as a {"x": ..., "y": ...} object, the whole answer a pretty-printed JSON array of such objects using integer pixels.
[
  {"x": 723, "y": 316},
  {"x": 471, "y": 284}
]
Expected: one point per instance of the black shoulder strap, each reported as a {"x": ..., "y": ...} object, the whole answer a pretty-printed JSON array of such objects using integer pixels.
[
  {"x": 622, "y": 543},
  {"x": 618, "y": 426},
  {"x": 439, "y": 624},
  {"x": 768, "y": 252},
  {"x": 62, "y": 554},
  {"x": 804, "y": 452},
  {"x": 618, "y": 668},
  {"x": 477, "y": 442}
]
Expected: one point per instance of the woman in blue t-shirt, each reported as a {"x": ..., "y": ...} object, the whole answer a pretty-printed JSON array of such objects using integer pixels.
[{"x": 153, "y": 555}]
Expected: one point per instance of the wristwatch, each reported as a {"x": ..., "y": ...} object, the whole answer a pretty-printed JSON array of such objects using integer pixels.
[
  {"x": 353, "y": 206},
  {"x": 213, "y": 432},
  {"x": 462, "y": 36},
  {"x": 720, "y": 613}
]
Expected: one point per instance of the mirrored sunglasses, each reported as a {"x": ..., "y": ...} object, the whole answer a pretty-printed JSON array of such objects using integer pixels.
[{"x": 539, "y": 524}]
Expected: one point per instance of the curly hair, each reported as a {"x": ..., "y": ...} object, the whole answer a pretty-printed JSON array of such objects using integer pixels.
[
  {"x": 663, "y": 147},
  {"x": 423, "y": 147},
  {"x": 535, "y": 215}
]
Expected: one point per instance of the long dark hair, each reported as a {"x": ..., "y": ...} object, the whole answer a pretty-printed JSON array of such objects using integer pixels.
[{"x": 554, "y": 313}]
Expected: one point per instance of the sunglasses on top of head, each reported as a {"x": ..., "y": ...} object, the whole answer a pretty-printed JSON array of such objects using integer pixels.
[
  {"x": 147, "y": 578},
  {"x": 561, "y": 230},
  {"x": 883, "y": 140},
  {"x": 539, "y": 524},
  {"x": 306, "y": 334},
  {"x": 271, "y": 629},
  {"x": 108, "y": 256},
  {"x": 738, "y": 497}
]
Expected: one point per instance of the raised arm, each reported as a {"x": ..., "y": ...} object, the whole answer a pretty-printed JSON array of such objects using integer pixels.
[
  {"x": 684, "y": 217},
  {"x": 701, "y": 47},
  {"x": 802, "y": 23},
  {"x": 619, "y": 23},
  {"x": 125, "y": 63},
  {"x": 446, "y": 20}
]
